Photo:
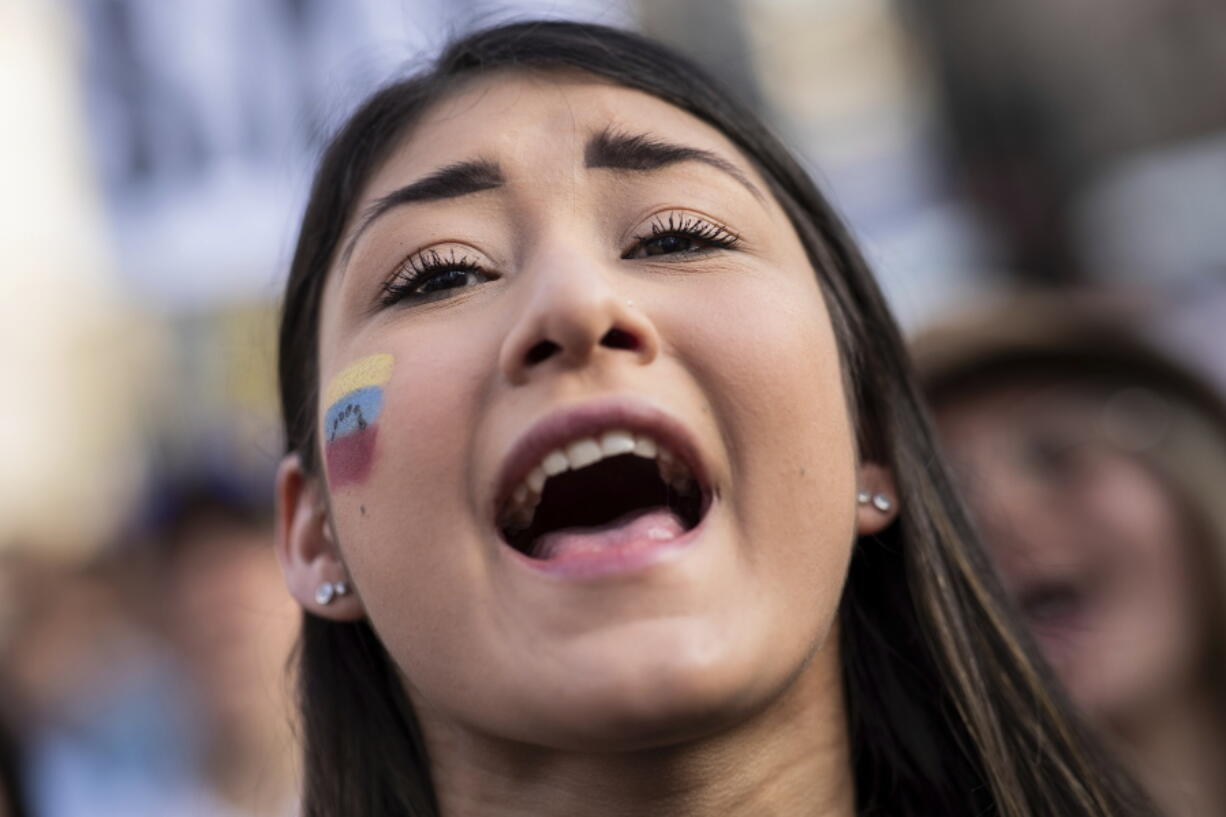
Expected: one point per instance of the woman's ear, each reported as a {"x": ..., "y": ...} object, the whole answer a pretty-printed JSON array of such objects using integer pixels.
[
  {"x": 876, "y": 499},
  {"x": 306, "y": 547}
]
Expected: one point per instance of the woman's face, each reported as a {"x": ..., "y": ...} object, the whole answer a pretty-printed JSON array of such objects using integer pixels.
[
  {"x": 1087, "y": 539},
  {"x": 549, "y": 272}
]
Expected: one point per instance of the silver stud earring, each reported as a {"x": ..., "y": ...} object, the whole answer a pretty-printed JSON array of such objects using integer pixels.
[
  {"x": 863, "y": 497},
  {"x": 328, "y": 591},
  {"x": 882, "y": 503}
]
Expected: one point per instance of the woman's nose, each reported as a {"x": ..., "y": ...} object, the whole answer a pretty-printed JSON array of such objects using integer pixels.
[{"x": 573, "y": 318}]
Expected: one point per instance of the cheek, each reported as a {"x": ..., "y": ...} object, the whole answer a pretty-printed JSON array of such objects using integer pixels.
[
  {"x": 767, "y": 360},
  {"x": 1148, "y": 639},
  {"x": 1150, "y": 552},
  {"x": 350, "y": 452},
  {"x": 398, "y": 528},
  {"x": 350, "y": 426}
]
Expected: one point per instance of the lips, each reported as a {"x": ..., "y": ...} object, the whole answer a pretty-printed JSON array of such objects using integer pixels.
[
  {"x": 599, "y": 482},
  {"x": 1059, "y": 608}
]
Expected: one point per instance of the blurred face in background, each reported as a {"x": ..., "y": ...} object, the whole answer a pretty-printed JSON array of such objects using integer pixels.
[
  {"x": 1091, "y": 545},
  {"x": 235, "y": 626}
]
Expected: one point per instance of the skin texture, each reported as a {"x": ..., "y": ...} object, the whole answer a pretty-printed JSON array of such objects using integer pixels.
[{"x": 706, "y": 683}]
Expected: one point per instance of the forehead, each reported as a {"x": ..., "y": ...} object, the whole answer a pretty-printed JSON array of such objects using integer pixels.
[{"x": 535, "y": 116}]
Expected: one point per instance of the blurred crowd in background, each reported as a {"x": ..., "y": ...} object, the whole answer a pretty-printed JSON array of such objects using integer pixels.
[{"x": 154, "y": 161}]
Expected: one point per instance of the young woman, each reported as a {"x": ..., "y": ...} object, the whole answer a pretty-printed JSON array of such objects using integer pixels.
[{"x": 608, "y": 490}]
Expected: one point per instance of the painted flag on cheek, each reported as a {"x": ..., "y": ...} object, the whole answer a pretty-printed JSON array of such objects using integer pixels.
[{"x": 354, "y": 399}]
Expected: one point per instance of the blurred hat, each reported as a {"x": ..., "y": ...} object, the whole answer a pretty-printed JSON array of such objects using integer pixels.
[{"x": 1076, "y": 334}]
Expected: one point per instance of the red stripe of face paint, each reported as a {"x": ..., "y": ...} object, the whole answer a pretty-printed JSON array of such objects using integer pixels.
[{"x": 350, "y": 457}]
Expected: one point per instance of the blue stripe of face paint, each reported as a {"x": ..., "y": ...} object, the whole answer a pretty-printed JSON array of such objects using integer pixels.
[{"x": 353, "y": 412}]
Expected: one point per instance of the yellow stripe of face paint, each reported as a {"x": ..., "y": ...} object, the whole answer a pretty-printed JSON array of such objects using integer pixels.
[{"x": 375, "y": 370}]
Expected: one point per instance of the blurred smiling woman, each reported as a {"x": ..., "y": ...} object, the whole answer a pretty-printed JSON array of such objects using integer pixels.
[{"x": 607, "y": 490}]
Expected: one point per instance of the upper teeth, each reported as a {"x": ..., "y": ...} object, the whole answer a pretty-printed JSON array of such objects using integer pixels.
[{"x": 581, "y": 453}]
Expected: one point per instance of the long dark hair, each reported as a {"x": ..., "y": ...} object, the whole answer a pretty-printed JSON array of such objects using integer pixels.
[{"x": 948, "y": 713}]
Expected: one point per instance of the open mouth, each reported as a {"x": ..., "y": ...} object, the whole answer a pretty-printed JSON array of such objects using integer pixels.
[
  {"x": 603, "y": 494},
  {"x": 1056, "y": 605}
]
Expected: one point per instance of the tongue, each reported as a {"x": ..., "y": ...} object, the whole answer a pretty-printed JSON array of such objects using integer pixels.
[{"x": 634, "y": 531}]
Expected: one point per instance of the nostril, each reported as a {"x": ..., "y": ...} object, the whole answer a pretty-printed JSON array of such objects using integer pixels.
[
  {"x": 543, "y": 350},
  {"x": 619, "y": 339}
]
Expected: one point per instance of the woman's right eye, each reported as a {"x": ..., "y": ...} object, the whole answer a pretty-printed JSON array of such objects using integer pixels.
[
  {"x": 1053, "y": 456},
  {"x": 431, "y": 276}
]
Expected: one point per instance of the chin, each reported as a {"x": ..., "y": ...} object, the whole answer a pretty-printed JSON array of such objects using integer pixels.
[{"x": 665, "y": 694}]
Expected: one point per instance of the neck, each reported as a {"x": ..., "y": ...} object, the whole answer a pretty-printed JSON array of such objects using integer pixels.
[
  {"x": 792, "y": 758},
  {"x": 1177, "y": 752}
]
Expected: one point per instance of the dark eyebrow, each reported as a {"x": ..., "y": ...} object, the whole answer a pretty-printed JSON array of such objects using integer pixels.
[
  {"x": 452, "y": 181},
  {"x": 625, "y": 151}
]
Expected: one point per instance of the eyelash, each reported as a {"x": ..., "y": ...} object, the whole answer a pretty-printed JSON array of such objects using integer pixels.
[
  {"x": 693, "y": 228},
  {"x": 420, "y": 269}
]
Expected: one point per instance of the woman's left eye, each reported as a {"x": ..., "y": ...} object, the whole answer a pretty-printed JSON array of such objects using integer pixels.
[
  {"x": 667, "y": 244},
  {"x": 681, "y": 235},
  {"x": 450, "y": 279}
]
